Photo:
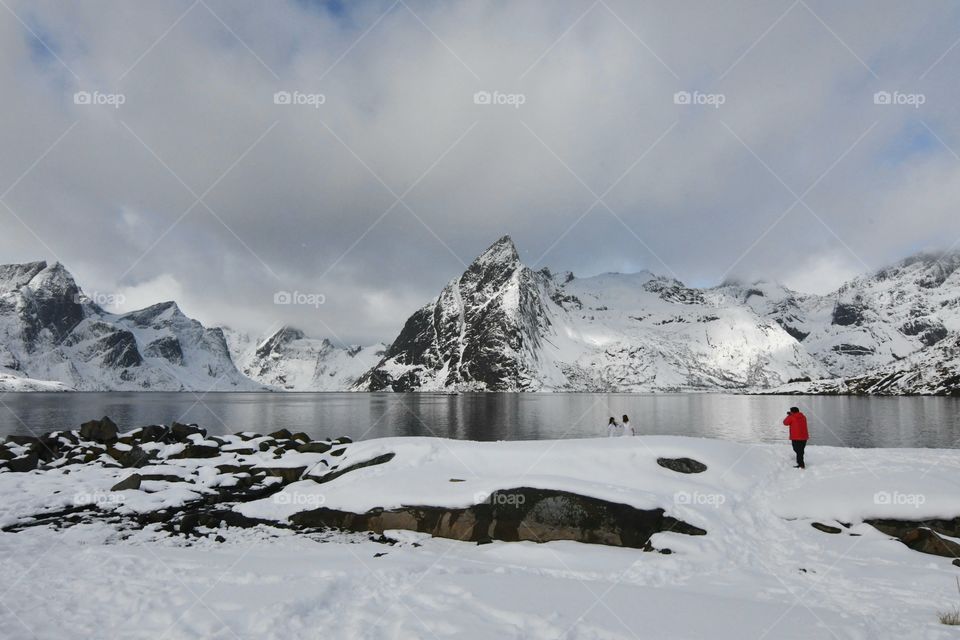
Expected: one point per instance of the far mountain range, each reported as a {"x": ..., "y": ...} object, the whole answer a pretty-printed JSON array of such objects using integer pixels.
[{"x": 501, "y": 326}]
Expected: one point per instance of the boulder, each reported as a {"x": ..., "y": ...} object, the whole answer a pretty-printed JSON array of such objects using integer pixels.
[
  {"x": 197, "y": 451},
  {"x": 923, "y": 536},
  {"x": 314, "y": 447},
  {"x": 103, "y": 431},
  {"x": 682, "y": 465},
  {"x": 825, "y": 527},
  {"x": 301, "y": 436},
  {"x": 130, "y": 482},
  {"x": 287, "y": 474},
  {"x": 24, "y": 463},
  {"x": 538, "y": 515},
  {"x": 151, "y": 433},
  {"x": 135, "y": 457},
  {"x": 281, "y": 434},
  {"x": 181, "y": 432}
]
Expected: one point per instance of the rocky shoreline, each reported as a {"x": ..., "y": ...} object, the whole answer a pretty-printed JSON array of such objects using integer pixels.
[
  {"x": 185, "y": 482},
  {"x": 219, "y": 472}
]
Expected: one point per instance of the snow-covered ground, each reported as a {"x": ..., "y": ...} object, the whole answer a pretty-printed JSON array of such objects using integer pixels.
[{"x": 761, "y": 571}]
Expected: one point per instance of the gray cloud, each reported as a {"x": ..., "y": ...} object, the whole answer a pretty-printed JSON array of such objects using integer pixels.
[{"x": 302, "y": 198}]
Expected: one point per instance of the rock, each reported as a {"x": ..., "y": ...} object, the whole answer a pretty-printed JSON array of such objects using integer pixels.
[
  {"x": 22, "y": 440},
  {"x": 234, "y": 468},
  {"x": 135, "y": 457},
  {"x": 825, "y": 528},
  {"x": 130, "y": 482},
  {"x": 338, "y": 452},
  {"x": 6, "y": 454},
  {"x": 151, "y": 433},
  {"x": 281, "y": 434},
  {"x": 682, "y": 465},
  {"x": 956, "y": 563},
  {"x": 537, "y": 515},
  {"x": 314, "y": 447},
  {"x": 266, "y": 445},
  {"x": 103, "y": 431},
  {"x": 381, "y": 459},
  {"x": 287, "y": 474},
  {"x": 197, "y": 451},
  {"x": 923, "y": 536},
  {"x": 182, "y": 432},
  {"x": 301, "y": 436},
  {"x": 24, "y": 463},
  {"x": 342, "y": 440}
]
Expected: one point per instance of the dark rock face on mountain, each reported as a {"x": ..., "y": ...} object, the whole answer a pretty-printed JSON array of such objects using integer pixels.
[
  {"x": 483, "y": 331},
  {"x": 51, "y": 331}
]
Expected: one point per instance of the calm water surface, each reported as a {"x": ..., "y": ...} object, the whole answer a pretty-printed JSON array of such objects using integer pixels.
[{"x": 842, "y": 421}]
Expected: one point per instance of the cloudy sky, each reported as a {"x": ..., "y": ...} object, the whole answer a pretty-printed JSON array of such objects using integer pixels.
[{"x": 143, "y": 144}]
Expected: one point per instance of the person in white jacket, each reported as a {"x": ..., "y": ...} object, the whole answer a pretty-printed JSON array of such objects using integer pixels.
[
  {"x": 614, "y": 429},
  {"x": 627, "y": 429}
]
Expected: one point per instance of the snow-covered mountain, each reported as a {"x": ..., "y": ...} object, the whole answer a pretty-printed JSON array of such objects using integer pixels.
[
  {"x": 289, "y": 360},
  {"x": 894, "y": 331},
  {"x": 501, "y": 326},
  {"x": 873, "y": 320},
  {"x": 52, "y": 336}
]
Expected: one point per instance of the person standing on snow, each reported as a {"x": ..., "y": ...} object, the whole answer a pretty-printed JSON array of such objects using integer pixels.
[
  {"x": 798, "y": 433},
  {"x": 614, "y": 429},
  {"x": 627, "y": 429}
]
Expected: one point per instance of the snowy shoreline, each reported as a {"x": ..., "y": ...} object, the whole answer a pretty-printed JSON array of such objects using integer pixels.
[{"x": 211, "y": 540}]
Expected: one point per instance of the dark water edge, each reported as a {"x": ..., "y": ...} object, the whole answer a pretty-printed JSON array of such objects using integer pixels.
[{"x": 857, "y": 421}]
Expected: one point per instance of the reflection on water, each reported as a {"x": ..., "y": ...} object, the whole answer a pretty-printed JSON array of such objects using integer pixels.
[{"x": 850, "y": 421}]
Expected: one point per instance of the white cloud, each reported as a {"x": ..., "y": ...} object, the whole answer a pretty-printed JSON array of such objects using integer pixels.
[{"x": 292, "y": 194}]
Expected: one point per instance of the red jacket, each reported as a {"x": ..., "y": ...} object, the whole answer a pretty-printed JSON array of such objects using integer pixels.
[{"x": 798, "y": 426}]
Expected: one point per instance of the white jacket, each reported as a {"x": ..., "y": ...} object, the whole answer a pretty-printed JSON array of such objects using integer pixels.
[
  {"x": 614, "y": 430},
  {"x": 628, "y": 429}
]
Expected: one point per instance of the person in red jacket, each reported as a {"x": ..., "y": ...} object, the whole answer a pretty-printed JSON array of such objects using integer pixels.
[{"x": 798, "y": 433}]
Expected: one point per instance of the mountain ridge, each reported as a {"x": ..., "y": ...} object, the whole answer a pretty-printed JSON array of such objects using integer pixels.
[{"x": 501, "y": 326}]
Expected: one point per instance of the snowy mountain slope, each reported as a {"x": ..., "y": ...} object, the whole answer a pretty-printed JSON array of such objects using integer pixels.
[
  {"x": 50, "y": 331},
  {"x": 873, "y": 320},
  {"x": 893, "y": 331},
  {"x": 483, "y": 331},
  {"x": 501, "y": 326},
  {"x": 289, "y": 360}
]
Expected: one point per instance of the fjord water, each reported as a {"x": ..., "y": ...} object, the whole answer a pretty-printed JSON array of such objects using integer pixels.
[{"x": 855, "y": 421}]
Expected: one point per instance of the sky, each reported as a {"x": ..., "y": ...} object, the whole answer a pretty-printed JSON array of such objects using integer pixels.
[{"x": 361, "y": 154}]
